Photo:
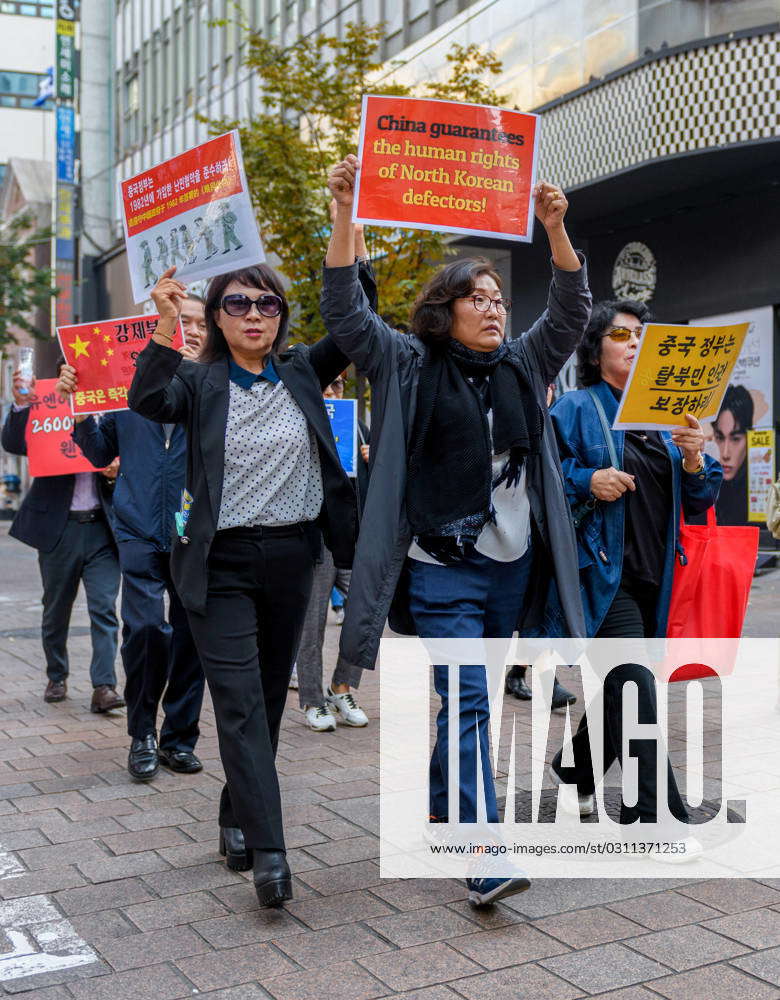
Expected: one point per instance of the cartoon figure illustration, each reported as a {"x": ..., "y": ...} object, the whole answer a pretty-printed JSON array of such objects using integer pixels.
[
  {"x": 205, "y": 232},
  {"x": 149, "y": 276},
  {"x": 176, "y": 254},
  {"x": 228, "y": 220},
  {"x": 187, "y": 244},
  {"x": 162, "y": 253}
]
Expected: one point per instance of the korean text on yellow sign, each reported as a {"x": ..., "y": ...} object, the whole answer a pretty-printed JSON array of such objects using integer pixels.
[{"x": 679, "y": 370}]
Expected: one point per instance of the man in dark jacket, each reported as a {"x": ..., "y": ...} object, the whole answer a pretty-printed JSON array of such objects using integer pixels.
[
  {"x": 66, "y": 518},
  {"x": 159, "y": 656}
]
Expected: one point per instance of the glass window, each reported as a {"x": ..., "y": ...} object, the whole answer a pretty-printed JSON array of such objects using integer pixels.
[
  {"x": 732, "y": 15},
  {"x": 20, "y": 90},
  {"x": 43, "y": 9}
]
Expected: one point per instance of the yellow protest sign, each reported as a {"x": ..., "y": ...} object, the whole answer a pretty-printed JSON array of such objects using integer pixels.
[{"x": 678, "y": 370}]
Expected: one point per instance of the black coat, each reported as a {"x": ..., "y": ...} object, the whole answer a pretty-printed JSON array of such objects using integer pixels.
[
  {"x": 168, "y": 389},
  {"x": 43, "y": 515}
]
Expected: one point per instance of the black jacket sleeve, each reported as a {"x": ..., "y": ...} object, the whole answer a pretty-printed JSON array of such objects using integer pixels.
[
  {"x": 157, "y": 391},
  {"x": 13, "y": 439},
  {"x": 98, "y": 440}
]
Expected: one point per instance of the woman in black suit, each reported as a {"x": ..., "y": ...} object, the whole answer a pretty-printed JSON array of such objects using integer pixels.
[{"x": 263, "y": 477}]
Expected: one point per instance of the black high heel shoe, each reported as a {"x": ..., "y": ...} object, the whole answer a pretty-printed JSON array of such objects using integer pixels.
[
  {"x": 238, "y": 857},
  {"x": 272, "y": 877}
]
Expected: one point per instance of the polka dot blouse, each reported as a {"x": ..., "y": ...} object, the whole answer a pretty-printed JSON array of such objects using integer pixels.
[{"x": 272, "y": 466}]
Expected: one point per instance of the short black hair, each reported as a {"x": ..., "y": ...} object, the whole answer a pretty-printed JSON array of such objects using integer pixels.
[
  {"x": 431, "y": 319},
  {"x": 259, "y": 276},
  {"x": 739, "y": 403},
  {"x": 589, "y": 348}
]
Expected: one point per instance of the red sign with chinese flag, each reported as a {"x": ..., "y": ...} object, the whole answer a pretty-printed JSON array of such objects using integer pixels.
[
  {"x": 104, "y": 356},
  {"x": 51, "y": 451},
  {"x": 448, "y": 167}
]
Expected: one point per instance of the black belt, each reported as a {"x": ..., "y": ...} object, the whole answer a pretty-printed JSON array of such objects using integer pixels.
[
  {"x": 268, "y": 531},
  {"x": 87, "y": 516}
]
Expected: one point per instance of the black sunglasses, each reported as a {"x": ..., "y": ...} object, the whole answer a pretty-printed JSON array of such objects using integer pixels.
[{"x": 267, "y": 304}]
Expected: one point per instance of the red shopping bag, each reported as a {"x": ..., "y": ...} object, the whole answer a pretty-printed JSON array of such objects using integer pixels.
[{"x": 710, "y": 591}]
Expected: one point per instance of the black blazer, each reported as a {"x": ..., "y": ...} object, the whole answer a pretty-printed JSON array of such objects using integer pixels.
[
  {"x": 43, "y": 515},
  {"x": 169, "y": 389}
]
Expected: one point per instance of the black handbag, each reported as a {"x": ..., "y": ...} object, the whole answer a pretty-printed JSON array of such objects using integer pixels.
[{"x": 582, "y": 511}]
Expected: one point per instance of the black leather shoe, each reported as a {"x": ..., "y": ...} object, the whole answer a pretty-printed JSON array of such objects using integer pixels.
[
  {"x": 143, "y": 761},
  {"x": 561, "y": 697},
  {"x": 233, "y": 849},
  {"x": 183, "y": 761},
  {"x": 273, "y": 881},
  {"x": 516, "y": 685},
  {"x": 56, "y": 691}
]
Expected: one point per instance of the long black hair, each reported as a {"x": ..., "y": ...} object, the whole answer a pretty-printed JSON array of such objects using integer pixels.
[
  {"x": 432, "y": 312},
  {"x": 260, "y": 276},
  {"x": 589, "y": 348}
]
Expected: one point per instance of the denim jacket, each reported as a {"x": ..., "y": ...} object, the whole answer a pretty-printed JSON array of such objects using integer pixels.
[{"x": 583, "y": 451}]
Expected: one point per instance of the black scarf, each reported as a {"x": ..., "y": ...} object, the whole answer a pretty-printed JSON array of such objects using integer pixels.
[{"x": 449, "y": 474}]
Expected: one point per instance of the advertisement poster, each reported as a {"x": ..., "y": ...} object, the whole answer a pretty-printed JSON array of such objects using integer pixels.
[
  {"x": 746, "y": 404},
  {"x": 104, "y": 356},
  {"x": 761, "y": 472},
  {"x": 192, "y": 212},
  {"x": 50, "y": 449},
  {"x": 343, "y": 422},
  {"x": 448, "y": 167},
  {"x": 678, "y": 370}
]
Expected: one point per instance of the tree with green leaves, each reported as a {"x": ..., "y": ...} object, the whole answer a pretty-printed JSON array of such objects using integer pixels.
[
  {"x": 311, "y": 94},
  {"x": 24, "y": 288}
]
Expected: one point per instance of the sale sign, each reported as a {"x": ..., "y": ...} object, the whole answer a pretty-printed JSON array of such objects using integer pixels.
[
  {"x": 192, "y": 212},
  {"x": 678, "y": 370},
  {"x": 51, "y": 451},
  {"x": 449, "y": 167},
  {"x": 104, "y": 356}
]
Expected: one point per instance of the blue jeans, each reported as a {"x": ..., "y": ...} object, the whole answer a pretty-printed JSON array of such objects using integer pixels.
[{"x": 474, "y": 599}]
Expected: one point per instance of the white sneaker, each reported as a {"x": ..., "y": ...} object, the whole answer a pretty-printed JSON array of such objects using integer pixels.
[
  {"x": 293, "y": 685},
  {"x": 339, "y": 613},
  {"x": 688, "y": 849},
  {"x": 345, "y": 706},
  {"x": 320, "y": 719},
  {"x": 584, "y": 804}
]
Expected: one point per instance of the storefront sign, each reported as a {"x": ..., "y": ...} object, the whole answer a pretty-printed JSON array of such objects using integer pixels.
[{"x": 761, "y": 472}]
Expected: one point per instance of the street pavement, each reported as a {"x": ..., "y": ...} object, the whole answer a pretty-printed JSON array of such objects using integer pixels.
[{"x": 112, "y": 890}]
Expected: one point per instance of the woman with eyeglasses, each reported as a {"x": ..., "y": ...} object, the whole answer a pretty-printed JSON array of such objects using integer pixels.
[
  {"x": 627, "y": 541},
  {"x": 465, "y": 508},
  {"x": 263, "y": 480}
]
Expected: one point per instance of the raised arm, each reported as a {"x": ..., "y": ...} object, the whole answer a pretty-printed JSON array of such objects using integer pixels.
[
  {"x": 556, "y": 333},
  {"x": 349, "y": 318},
  {"x": 157, "y": 391},
  {"x": 98, "y": 440}
]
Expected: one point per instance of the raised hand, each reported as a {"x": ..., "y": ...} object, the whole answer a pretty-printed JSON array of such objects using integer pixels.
[
  {"x": 550, "y": 205},
  {"x": 690, "y": 441},
  {"x": 341, "y": 181}
]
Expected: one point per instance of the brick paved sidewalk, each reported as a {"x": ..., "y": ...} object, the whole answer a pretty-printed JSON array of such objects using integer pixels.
[{"x": 111, "y": 890}]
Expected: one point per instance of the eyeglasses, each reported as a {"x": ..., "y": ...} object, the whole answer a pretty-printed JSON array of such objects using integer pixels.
[
  {"x": 482, "y": 303},
  {"x": 620, "y": 334},
  {"x": 267, "y": 305}
]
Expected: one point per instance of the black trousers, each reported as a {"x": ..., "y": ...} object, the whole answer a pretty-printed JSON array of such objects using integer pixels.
[
  {"x": 159, "y": 656},
  {"x": 259, "y": 582},
  {"x": 85, "y": 553},
  {"x": 631, "y": 615}
]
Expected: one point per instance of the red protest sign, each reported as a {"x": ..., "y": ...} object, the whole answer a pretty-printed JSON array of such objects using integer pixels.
[
  {"x": 192, "y": 212},
  {"x": 104, "y": 356},
  {"x": 51, "y": 451},
  {"x": 449, "y": 167}
]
